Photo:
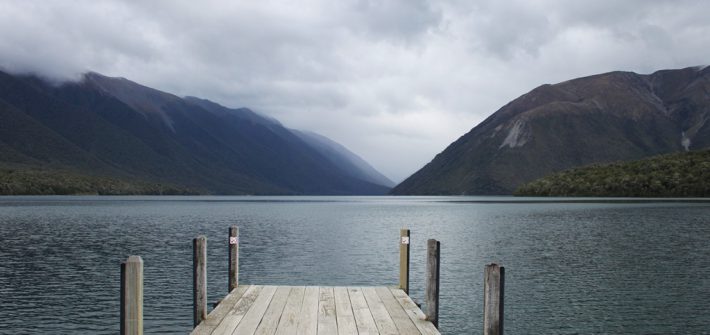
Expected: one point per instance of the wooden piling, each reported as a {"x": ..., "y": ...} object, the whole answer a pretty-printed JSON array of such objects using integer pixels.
[
  {"x": 432, "y": 281},
  {"x": 233, "y": 257},
  {"x": 404, "y": 236},
  {"x": 493, "y": 287},
  {"x": 132, "y": 296},
  {"x": 199, "y": 279}
]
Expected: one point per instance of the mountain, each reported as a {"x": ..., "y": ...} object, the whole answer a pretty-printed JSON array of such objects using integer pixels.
[
  {"x": 343, "y": 158},
  {"x": 685, "y": 174},
  {"x": 115, "y": 128},
  {"x": 616, "y": 116}
]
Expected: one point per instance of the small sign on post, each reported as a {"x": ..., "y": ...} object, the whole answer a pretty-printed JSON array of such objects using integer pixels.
[
  {"x": 405, "y": 239},
  {"x": 233, "y": 257}
]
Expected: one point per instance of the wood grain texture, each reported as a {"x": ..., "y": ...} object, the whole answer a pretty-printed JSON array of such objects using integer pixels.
[
  {"x": 344, "y": 312},
  {"x": 199, "y": 279},
  {"x": 233, "y": 270},
  {"x": 236, "y": 313},
  {"x": 363, "y": 317},
  {"x": 314, "y": 310},
  {"x": 383, "y": 320},
  {"x": 327, "y": 322},
  {"x": 256, "y": 312},
  {"x": 208, "y": 325},
  {"x": 308, "y": 320},
  {"x": 397, "y": 313},
  {"x": 132, "y": 296},
  {"x": 404, "y": 259},
  {"x": 270, "y": 322},
  {"x": 288, "y": 325},
  {"x": 414, "y": 313},
  {"x": 432, "y": 281},
  {"x": 493, "y": 288}
]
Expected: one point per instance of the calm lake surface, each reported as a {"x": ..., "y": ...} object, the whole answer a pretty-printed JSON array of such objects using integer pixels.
[{"x": 572, "y": 267}]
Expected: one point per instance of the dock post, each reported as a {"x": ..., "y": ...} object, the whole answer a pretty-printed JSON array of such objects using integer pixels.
[
  {"x": 493, "y": 287},
  {"x": 432, "y": 281},
  {"x": 404, "y": 260},
  {"x": 199, "y": 279},
  {"x": 132, "y": 296},
  {"x": 233, "y": 257}
]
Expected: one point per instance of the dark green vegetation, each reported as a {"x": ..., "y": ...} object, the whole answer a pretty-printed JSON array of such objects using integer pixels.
[
  {"x": 617, "y": 116},
  {"x": 112, "y": 135},
  {"x": 672, "y": 175},
  {"x": 31, "y": 181}
]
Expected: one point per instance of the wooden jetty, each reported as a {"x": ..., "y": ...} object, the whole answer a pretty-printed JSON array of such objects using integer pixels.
[
  {"x": 256, "y": 309},
  {"x": 311, "y": 310}
]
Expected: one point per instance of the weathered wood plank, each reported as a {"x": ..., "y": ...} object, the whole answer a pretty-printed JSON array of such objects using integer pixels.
[
  {"x": 208, "y": 325},
  {"x": 254, "y": 315},
  {"x": 399, "y": 316},
  {"x": 288, "y": 325},
  {"x": 414, "y": 313},
  {"x": 270, "y": 322},
  {"x": 312, "y": 310},
  {"x": 308, "y": 323},
  {"x": 344, "y": 312},
  {"x": 383, "y": 320},
  {"x": 363, "y": 317},
  {"x": 327, "y": 323},
  {"x": 236, "y": 314}
]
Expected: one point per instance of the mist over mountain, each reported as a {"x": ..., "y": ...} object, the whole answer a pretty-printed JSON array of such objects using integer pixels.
[
  {"x": 345, "y": 159},
  {"x": 112, "y": 127},
  {"x": 610, "y": 117}
]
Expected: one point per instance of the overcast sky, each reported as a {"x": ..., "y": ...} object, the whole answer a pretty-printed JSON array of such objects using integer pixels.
[{"x": 394, "y": 81}]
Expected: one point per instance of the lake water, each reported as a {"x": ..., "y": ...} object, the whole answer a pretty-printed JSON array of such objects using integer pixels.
[{"x": 572, "y": 267}]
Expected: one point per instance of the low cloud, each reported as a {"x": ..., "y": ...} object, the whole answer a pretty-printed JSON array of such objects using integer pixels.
[{"x": 395, "y": 81}]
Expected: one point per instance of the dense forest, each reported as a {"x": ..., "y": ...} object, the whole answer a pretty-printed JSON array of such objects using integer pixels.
[
  {"x": 22, "y": 181},
  {"x": 673, "y": 175}
]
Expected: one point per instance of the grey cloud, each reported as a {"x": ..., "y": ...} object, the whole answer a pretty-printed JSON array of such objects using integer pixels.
[
  {"x": 397, "y": 20},
  {"x": 394, "y": 80}
]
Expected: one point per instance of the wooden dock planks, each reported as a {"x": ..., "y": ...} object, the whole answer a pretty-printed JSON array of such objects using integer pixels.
[{"x": 314, "y": 310}]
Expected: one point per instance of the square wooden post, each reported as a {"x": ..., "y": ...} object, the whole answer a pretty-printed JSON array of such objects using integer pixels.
[
  {"x": 199, "y": 279},
  {"x": 432, "y": 281},
  {"x": 233, "y": 257},
  {"x": 493, "y": 293},
  {"x": 132, "y": 296},
  {"x": 404, "y": 236}
]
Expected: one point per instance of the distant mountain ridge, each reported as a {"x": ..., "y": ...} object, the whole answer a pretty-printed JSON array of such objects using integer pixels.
[
  {"x": 345, "y": 159},
  {"x": 616, "y": 116},
  {"x": 113, "y": 127}
]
